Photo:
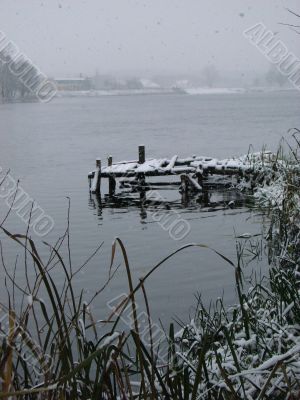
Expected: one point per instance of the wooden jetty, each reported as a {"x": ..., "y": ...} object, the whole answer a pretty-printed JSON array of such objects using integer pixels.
[{"x": 193, "y": 171}]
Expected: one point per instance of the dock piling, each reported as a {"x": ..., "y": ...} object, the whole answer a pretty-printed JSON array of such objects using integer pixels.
[
  {"x": 142, "y": 154},
  {"x": 96, "y": 184},
  {"x": 184, "y": 183},
  {"x": 142, "y": 159},
  {"x": 111, "y": 179},
  {"x": 200, "y": 178}
]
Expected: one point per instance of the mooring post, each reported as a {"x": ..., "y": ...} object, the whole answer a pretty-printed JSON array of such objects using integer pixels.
[
  {"x": 111, "y": 179},
  {"x": 141, "y": 154},
  {"x": 96, "y": 184},
  {"x": 98, "y": 166},
  {"x": 142, "y": 159}
]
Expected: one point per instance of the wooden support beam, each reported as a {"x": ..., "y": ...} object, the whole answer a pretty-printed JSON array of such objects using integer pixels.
[
  {"x": 134, "y": 182},
  {"x": 188, "y": 183},
  {"x": 194, "y": 184}
]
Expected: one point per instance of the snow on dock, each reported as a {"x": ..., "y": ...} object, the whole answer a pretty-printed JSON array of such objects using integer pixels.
[{"x": 192, "y": 170}]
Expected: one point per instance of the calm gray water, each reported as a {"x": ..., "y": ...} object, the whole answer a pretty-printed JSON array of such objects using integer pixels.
[{"x": 51, "y": 148}]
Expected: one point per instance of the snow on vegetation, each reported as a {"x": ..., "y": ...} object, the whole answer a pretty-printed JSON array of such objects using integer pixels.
[
  {"x": 249, "y": 351},
  {"x": 252, "y": 350}
]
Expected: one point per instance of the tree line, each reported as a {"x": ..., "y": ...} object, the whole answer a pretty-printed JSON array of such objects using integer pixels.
[{"x": 11, "y": 86}]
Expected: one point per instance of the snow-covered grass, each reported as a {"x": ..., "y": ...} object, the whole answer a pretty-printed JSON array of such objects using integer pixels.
[
  {"x": 277, "y": 192},
  {"x": 250, "y": 350}
]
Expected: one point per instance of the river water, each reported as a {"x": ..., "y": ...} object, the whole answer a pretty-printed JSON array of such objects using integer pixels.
[{"x": 52, "y": 147}]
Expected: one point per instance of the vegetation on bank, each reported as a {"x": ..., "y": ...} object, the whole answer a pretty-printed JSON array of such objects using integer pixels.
[
  {"x": 12, "y": 88},
  {"x": 51, "y": 346}
]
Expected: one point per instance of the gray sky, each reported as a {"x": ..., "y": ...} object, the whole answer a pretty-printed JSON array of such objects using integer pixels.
[{"x": 64, "y": 37}]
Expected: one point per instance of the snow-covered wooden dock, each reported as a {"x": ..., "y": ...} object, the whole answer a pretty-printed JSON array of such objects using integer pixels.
[{"x": 192, "y": 170}]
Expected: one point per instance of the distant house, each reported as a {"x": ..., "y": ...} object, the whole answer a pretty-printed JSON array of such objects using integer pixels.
[{"x": 75, "y": 84}]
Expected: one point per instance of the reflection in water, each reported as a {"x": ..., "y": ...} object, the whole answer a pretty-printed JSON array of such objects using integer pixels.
[{"x": 209, "y": 200}]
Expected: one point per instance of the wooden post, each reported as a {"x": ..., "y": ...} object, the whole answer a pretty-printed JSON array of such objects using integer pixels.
[
  {"x": 98, "y": 165},
  {"x": 141, "y": 177},
  {"x": 205, "y": 174},
  {"x": 205, "y": 198},
  {"x": 200, "y": 179},
  {"x": 141, "y": 154},
  {"x": 96, "y": 184},
  {"x": 184, "y": 183},
  {"x": 184, "y": 189},
  {"x": 111, "y": 179}
]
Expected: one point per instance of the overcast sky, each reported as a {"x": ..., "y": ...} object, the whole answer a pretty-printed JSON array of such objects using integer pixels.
[{"x": 72, "y": 36}]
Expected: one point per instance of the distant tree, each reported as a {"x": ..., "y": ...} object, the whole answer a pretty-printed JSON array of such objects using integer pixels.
[
  {"x": 111, "y": 83},
  {"x": 11, "y": 86},
  {"x": 8, "y": 83},
  {"x": 256, "y": 81},
  {"x": 274, "y": 77},
  {"x": 134, "y": 83},
  {"x": 210, "y": 75}
]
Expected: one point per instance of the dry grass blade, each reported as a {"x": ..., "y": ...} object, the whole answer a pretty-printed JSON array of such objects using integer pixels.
[{"x": 8, "y": 366}]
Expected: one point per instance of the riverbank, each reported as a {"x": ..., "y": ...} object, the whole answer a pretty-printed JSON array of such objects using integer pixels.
[{"x": 175, "y": 90}]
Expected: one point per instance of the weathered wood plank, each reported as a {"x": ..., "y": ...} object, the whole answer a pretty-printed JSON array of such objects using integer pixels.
[
  {"x": 194, "y": 183},
  {"x": 172, "y": 163}
]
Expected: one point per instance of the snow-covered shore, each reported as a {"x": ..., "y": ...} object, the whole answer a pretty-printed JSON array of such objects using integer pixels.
[
  {"x": 118, "y": 92},
  {"x": 201, "y": 90},
  {"x": 193, "y": 91}
]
